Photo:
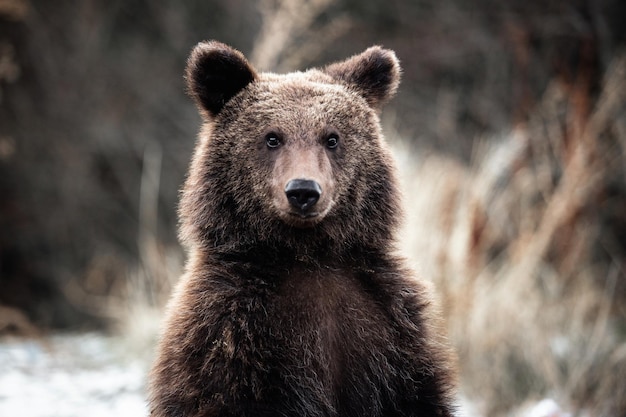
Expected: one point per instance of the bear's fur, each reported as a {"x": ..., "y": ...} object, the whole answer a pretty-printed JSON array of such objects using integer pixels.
[{"x": 293, "y": 305}]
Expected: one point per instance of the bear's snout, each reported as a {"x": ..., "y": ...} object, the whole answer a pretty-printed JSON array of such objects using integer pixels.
[
  {"x": 302, "y": 184},
  {"x": 303, "y": 194}
]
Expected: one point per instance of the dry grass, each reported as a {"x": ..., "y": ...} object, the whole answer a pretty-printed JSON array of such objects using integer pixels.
[
  {"x": 521, "y": 248},
  {"x": 290, "y": 38},
  {"x": 132, "y": 297}
]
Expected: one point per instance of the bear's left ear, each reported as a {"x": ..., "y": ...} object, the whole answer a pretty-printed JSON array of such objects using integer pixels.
[
  {"x": 215, "y": 74},
  {"x": 375, "y": 74}
]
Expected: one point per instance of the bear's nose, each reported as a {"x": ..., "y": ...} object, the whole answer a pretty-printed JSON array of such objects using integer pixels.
[{"x": 303, "y": 194}]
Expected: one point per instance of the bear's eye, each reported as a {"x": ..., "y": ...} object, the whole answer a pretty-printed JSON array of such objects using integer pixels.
[
  {"x": 332, "y": 141},
  {"x": 272, "y": 141}
]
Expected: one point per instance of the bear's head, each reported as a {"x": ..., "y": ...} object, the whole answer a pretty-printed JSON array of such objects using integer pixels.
[{"x": 294, "y": 161}]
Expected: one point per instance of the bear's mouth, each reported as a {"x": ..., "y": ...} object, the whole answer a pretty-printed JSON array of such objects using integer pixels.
[
  {"x": 302, "y": 219},
  {"x": 304, "y": 215}
]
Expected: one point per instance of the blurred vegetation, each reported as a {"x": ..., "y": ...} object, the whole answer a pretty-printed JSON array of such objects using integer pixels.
[{"x": 511, "y": 115}]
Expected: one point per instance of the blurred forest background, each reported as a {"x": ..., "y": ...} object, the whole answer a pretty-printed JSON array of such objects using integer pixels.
[{"x": 510, "y": 130}]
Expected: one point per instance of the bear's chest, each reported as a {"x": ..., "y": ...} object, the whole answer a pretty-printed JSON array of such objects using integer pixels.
[
  {"x": 328, "y": 305},
  {"x": 328, "y": 325},
  {"x": 322, "y": 336}
]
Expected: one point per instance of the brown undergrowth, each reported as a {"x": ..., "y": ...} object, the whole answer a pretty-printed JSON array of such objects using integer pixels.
[{"x": 526, "y": 248}]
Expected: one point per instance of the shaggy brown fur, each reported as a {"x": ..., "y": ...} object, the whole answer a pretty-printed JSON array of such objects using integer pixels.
[{"x": 295, "y": 305}]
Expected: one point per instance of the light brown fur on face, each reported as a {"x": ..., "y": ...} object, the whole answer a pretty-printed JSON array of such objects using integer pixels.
[
  {"x": 293, "y": 302},
  {"x": 309, "y": 144},
  {"x": 299, "y": 160}
]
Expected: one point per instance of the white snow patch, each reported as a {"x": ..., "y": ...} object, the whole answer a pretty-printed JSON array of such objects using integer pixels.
[
  {"x": 70, "y": 376},
  {"x": 546, "y": 408}
]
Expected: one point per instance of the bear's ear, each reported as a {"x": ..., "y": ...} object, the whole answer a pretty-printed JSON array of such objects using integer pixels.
[
  {"x": 375, "y": 74},
  {"x": 215, "y": 73}
]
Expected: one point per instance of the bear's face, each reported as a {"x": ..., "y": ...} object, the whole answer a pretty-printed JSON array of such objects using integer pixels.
[
  {"x": 300, "y": 140},
  {"x": 285, "y": 155}
]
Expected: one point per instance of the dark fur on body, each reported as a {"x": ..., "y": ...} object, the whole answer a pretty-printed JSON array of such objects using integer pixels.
[{"x": 282, "y": 315}]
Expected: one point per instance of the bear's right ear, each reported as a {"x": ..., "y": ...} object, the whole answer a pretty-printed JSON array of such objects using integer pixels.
[{"x": 215, "y": 73}]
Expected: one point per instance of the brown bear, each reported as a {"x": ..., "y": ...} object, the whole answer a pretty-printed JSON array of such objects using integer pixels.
[{"x": 293, "y": 302}]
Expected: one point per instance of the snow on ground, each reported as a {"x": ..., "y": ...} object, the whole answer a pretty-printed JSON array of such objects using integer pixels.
[{"x": 70, "y": 376}]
